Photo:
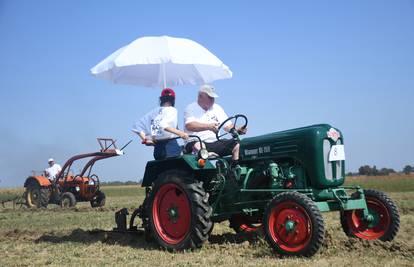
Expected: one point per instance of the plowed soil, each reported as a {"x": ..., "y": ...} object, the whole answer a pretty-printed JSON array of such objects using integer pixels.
[{"x": 83, "y": 236}]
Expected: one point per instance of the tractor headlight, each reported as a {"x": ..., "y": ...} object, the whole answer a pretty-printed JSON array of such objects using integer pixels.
[
  {"x": 77, "y": 189},
  {"x": 203, "y": 153},
  {"x": 91, "y": 182}
]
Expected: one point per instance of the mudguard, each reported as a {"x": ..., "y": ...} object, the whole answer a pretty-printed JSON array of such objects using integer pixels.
[
  {"x": 187, "y": 163},
  {"x": 41, "y": 180}
]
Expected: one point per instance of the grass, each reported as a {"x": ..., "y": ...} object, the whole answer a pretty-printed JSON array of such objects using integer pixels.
[
  {"x": 392, "y": 183},
  {"x": 123, "y": 190},
  {"x": 56, "y": 236}
]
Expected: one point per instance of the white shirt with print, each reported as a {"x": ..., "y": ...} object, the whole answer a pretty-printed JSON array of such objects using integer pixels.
[
  {"x": 194, "y": 112},
  {"x": 51, "y": 172},
  {"x": 154, "y": 122}
]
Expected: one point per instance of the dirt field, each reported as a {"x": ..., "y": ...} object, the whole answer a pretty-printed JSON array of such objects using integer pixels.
[{"x": 71, "y": 237}]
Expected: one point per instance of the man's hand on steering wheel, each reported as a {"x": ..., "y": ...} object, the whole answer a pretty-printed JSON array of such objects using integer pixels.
[
  {"x": 232, "y": 129},
  {"x": 239, "y": 130},
  {"x": 213, "y": 127},
  {"x": 242, "y": 130}
]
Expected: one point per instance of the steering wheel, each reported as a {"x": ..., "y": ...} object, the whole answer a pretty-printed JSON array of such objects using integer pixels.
[{"x": 233, "y": 130}]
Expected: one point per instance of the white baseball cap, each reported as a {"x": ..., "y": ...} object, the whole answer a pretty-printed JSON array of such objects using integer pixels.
[
  {"x": 209, "y": 90},
  {"x": 51, "y": 159}
]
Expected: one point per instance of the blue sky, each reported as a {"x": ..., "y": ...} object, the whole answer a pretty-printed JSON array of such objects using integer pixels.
[{"x": 295, "y": 63}]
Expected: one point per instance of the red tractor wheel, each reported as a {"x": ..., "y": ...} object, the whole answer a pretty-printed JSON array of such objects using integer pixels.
[
  {"x": 384, "y": 223},
  {"x": 243, "y": 224},
  {"x": 179, "y": 213},
  {"x": 293, "y": 225},
  {"x": 172, "y": 213}
]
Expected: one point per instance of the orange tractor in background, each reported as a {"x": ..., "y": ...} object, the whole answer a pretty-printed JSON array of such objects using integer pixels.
[{"x": 68, "y": 189}]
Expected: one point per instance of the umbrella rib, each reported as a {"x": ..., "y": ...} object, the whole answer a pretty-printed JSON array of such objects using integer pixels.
[{"x": 199, "y": 73}]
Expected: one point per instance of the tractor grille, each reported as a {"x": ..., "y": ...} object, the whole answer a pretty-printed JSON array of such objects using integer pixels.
[{"x": 333, "y": 169}]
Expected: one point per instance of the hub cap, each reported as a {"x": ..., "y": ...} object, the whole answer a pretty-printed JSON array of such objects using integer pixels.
[
  {"x": 171, "y": 213},
  {"x": 290, "y": 226}
]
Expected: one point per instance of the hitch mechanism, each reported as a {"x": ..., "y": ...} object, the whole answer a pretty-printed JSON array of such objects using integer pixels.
[{"x": 121, "y": 220}]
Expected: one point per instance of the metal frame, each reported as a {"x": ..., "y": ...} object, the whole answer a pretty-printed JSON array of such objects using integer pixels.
[{"x": 105, "y": 152}]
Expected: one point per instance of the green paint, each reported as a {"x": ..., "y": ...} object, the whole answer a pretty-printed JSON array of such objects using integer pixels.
[
  {"x": 302, "y": 144},
  {"x": 268, "y": 163}
]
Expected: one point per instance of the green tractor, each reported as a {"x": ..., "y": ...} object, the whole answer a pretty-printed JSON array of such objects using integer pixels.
[{"x": 283, "y": 182}]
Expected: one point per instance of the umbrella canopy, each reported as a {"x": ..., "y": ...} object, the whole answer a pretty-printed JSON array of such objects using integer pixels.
[{"x": 160, "y": 62}]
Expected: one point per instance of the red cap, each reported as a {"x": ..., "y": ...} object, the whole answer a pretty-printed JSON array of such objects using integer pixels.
[{"x": 168, "y": 92}]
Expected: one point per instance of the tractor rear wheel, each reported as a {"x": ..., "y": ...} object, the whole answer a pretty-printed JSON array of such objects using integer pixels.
[
  {"x": 36, "y": 196},
  {"x": 67, "y": 200},
  {"x": 293, "y": 225},
  {"x": 242, "y": 224},
  {"x": 178, "y": 212},
  {"x": 99, "y": 200},
  {"x": 385, "y": 219}
]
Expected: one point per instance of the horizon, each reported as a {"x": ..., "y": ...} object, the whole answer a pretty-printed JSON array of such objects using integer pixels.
[{"x": 349, "y": 64}]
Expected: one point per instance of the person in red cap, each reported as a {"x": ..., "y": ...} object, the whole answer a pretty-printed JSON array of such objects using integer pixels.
[{"x": 158, "y": 127}]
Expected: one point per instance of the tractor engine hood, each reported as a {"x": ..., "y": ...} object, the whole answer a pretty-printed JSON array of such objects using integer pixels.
[{"x": 311, "y": 146}]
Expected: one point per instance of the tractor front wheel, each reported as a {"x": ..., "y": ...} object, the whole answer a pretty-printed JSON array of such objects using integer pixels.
[
  {"x": 98, "y": 200},
  {"x": 293, "y": 225},
  {"x": 384, "y": 223},
  {"x": 36, "y": 196},
  {"x": 67, "y": 200},
  {"x": 178, "y": 211}
]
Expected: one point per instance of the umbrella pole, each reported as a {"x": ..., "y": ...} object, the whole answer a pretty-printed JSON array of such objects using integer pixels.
[{"x": 163, "y": 74}]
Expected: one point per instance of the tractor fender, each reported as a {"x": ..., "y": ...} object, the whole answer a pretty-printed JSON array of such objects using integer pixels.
[
  {"x": 188, "y": 163},
  {"x": 41, "y": 180}
]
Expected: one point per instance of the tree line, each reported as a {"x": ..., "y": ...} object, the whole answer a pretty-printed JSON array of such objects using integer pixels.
[
  {"x": 119, "y": 183},
  {"x": 374, "y": 171}
]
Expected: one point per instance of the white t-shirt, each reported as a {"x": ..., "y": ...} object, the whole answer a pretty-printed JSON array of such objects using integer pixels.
[
  {"x": 194, "y": 112},
  {"x": 154, "y": 122},
  {"x": 51, "y": 172}
]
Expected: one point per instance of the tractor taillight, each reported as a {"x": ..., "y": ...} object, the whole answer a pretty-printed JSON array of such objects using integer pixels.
[{"x": 201, "y": 163}]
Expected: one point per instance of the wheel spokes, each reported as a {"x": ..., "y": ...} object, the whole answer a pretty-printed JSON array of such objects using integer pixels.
[{"x": 226, "y": 133}]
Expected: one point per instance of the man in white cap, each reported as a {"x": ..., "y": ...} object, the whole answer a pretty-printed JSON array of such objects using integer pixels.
[
  {"x": 202, "y": 118},
  {"x": 53, "y": 169}
]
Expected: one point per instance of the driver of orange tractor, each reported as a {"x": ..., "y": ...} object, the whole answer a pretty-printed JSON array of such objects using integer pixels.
[
  {"x": 53, "y": 169},
  {"x": 158, "y": 127},
  {"x": 202, "y": 118}
]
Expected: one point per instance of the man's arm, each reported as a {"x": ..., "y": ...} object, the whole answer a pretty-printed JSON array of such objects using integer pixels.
[
  {"x": 195, "y": 126},
  {"x": 144, "y": 140},
  {"x": 142, "y": 135},
  {"x": 181, "y": 134}
]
